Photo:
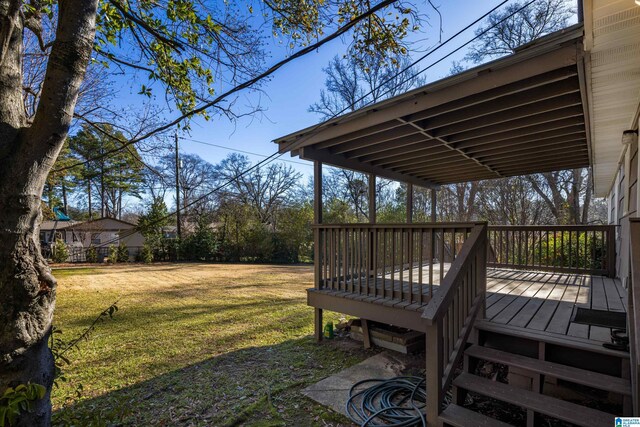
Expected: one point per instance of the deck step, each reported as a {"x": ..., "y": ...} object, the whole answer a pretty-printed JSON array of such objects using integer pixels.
[
  {"x": 457, "y": 416},
  {"x": 549, "y": 338},
  {"x": 555, "y": 370},
  {"x": 539, "y": 403}
]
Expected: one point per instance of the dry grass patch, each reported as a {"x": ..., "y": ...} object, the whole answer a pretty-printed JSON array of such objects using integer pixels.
[{"x": 195, "y": 344}]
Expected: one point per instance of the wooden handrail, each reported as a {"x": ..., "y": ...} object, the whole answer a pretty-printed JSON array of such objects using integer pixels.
[
  {"x": 581, "y": 249},
  {"x": 417, "y": 225},
  {"x": 440, "y": 302},
  {"x": 450, "y": 315},
  {"x": 593, "y": 227}
]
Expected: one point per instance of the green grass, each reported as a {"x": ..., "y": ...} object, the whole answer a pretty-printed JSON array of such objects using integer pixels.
[{"x": 194, "y": 344}]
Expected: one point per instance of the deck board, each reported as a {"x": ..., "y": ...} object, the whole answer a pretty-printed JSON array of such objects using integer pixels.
[
  {"x": 546, "y": 302},
  {"x": 539, "y": 301}
]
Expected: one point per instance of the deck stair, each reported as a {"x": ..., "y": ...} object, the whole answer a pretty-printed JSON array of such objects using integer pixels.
[{"x": 533, "y": 401}]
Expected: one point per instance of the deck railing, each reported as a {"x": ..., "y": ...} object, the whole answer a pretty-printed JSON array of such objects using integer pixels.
[
  {"x": 560, "y": 248},
  {"x": 394, "y": 261},
  {"x": 633, "y": 317},
  {"x": 450, "y": 316}
]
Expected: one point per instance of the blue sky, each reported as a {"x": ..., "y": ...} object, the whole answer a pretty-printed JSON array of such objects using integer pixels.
[
  {"x": 287, "y": 96},
  {"x": 298, "y": 85}
]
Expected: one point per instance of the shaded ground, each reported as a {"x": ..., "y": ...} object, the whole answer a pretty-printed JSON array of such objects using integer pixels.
[{"x": 195, "y": 344}]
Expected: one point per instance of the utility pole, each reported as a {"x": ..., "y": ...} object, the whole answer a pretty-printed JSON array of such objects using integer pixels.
[{"x": 178, "y": 229}]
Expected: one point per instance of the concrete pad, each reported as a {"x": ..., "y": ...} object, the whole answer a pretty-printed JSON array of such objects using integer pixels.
[{"x": 333, "y": 391}]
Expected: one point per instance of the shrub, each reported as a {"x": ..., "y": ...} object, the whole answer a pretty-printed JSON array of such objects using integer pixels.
[
  {"x": 123, "y": 253},
  {"x": 145, "y": 255},
  {"x": 60, "y": 252},
  {"x": 113, "y": 254},
  {"x": 202, "y": 245},
  {"x": 92, "y": 254}
]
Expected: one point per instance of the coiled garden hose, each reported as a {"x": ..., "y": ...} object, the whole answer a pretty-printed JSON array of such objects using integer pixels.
[{"x": 396, "y": 402}]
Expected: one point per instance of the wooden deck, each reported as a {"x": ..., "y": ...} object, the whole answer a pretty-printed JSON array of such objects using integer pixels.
[
  {"x": 544, "y": 302},
  {"x": 538, "y": 301}
]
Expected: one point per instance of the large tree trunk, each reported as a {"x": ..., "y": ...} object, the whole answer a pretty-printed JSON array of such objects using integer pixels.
[{"x": 27, "y": 153}]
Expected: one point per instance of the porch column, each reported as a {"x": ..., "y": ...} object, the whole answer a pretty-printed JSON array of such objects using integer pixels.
[
  {"x": 372, "y": 198},
  {"x": 433, "y": 204},
  {"x": 409, "y": 203},
  {"x": 317, "y": 219}
]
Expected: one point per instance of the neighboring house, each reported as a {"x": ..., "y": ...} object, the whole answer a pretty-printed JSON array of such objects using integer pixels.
[
  {"x": 543, "y": 300},
  {"x": 100, "y": 233}
]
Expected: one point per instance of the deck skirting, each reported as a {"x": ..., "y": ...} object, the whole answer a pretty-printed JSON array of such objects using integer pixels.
[{"x": 392, "y": 315}]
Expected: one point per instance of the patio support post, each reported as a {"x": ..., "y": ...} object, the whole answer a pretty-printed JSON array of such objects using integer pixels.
[
  {"x": 317, "y": 219},
  {"x": 372, "y": 198},
  {"x": 372, "y": 220},
  {"x": 409, "y": 203},
  {"x": 433, "y": 204}
]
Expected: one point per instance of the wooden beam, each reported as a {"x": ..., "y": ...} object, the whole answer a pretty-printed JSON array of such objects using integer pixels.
[
  {"x": 317, "y": 219},
  {"x": 562, "y": 106},
  {"x": 567, "y": 147},
  {"x": 393, "y": 151},
  {"x": 423, "y": 156},
  {"x": 446, "y": 143},
  {"x": 409, "y": 203},
  {"x": 541, "y": 158},
  {"x": 375, "y": 139},
  {"x": 521, "y": 66},
  {"x": 509, "y": 131},
  {"x": 545, "y": 166},
  {"x": 317, "y": 192},
  {"x": 372, "y": 130},
  {"x": 495, "y": 94},
  {"x": 436, "y": 165},
  {"x": 538, "y": 140},
  {"x": 524, "y": 99},
  {"x": 372, "y": 199},
  {"x": 395, "y": 144},
  {"x": 434, "y": 200},
  {"x": 366, "y": 310},
  {"x": 309, "y": 153}
]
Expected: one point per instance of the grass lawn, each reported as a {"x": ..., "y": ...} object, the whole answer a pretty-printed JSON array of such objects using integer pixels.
[{"x": 194, "y": 344}]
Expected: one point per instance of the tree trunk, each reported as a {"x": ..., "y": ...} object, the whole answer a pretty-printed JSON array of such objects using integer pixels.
[
  {"x": 64, "y": 197},
  {"x": 28, "y": 299},
  {"x": 89, "y": 199},
  {"x": 27, "y": 154}
]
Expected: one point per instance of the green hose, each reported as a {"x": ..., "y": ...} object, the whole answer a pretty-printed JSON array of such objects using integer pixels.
[{"x": 396, "y": 402}]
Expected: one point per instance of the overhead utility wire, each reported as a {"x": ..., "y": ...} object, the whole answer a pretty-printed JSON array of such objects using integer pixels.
[
  {"x": 278, "y": 154},
  {"x": 241, "y": 151}
]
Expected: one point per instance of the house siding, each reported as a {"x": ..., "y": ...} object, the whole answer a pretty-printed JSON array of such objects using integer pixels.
[{"x": 623, "y": 204}]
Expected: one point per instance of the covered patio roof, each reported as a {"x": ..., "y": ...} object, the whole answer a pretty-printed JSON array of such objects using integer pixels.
[{"x": 522, "y": 114}]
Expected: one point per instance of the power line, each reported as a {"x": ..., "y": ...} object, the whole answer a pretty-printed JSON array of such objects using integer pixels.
[
  {"x": 278, "y": 154},
  {"x": 243, "y": 151}
]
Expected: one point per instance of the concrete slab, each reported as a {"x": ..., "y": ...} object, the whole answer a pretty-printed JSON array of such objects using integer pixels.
[{"x": 333, "y": 391}]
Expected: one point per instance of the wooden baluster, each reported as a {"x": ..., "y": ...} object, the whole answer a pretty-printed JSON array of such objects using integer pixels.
[
  {"x": 432, "y": 245},
  {"x": 453, "y": 245},
  {"x": 570, "y": 250},
  {"x": 420, "y": 263},
  {"x": 434, "y": 370},
  {"x": 375, "y": 261},
  {"x": 540, "y": 248},
  {"x": 562, "y": 248},
  {"x": 401, "y": 263},
  {"x": 442, "y": 256},
  {"x": 384, "y": 262},
  {"x": 393, "y": 263},
  {"x": 593, "y": 251},
  {"x": 368, "y": 262}
]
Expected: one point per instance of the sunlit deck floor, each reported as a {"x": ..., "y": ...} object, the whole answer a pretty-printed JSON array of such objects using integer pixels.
[
  {"x": 393, "y": 290},
  {"x": 540, "y": 302},
  {"x": 544, "y": 302}
]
